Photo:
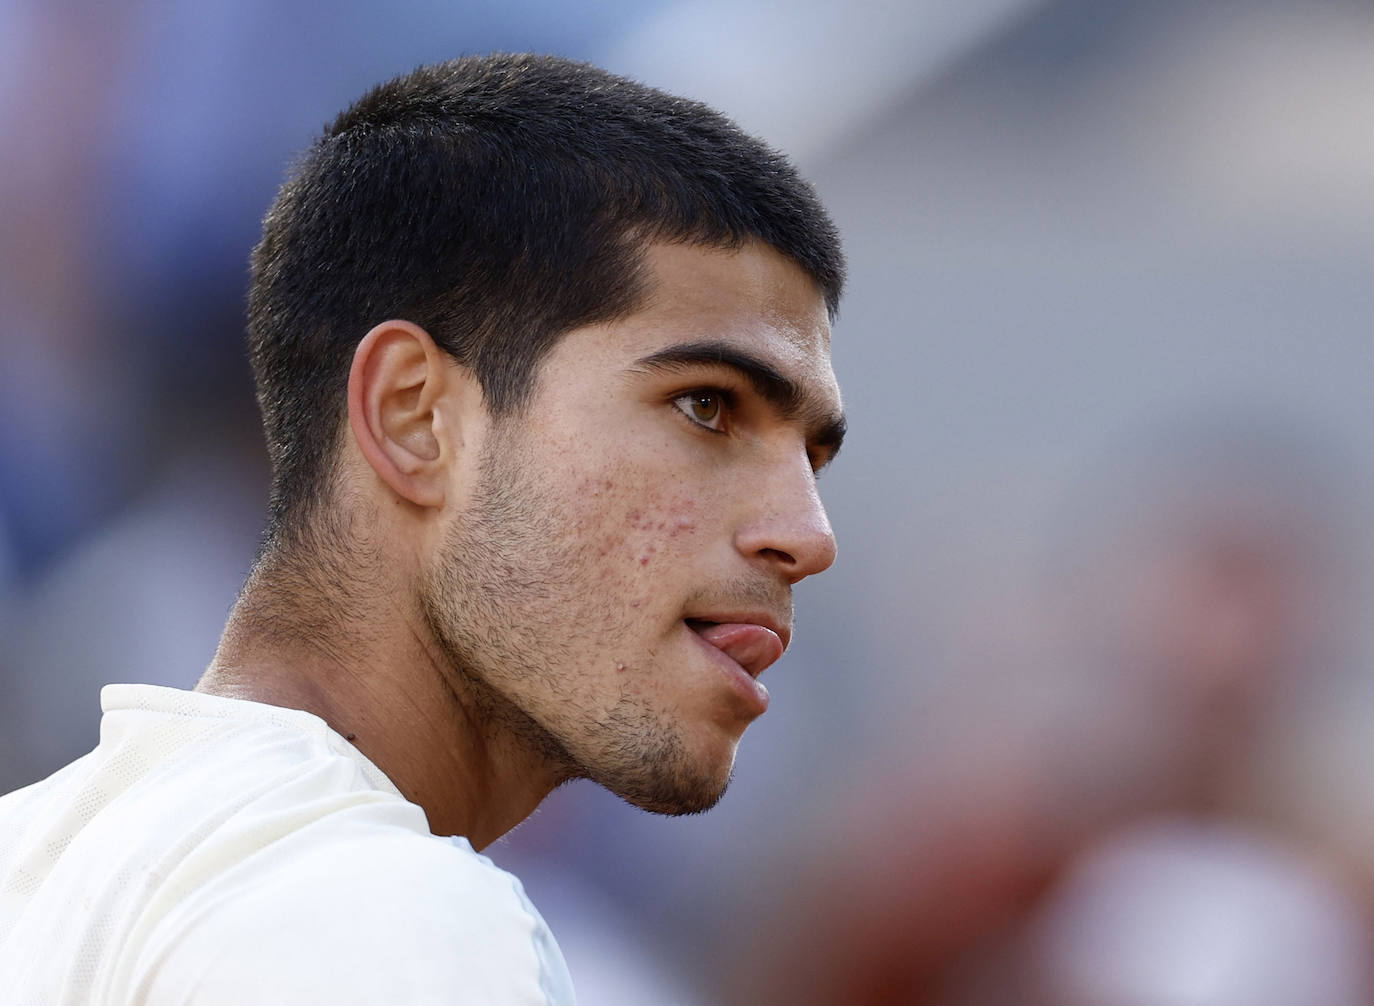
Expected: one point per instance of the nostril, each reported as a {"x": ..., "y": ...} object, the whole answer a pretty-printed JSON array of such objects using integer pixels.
[{"x": 776, "y": 553}]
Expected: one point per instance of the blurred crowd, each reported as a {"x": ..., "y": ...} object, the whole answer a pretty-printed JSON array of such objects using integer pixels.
[{"x": 1084, "y": 716}]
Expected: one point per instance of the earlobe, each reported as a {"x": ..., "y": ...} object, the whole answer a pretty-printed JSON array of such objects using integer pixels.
[{"x": 395, "y": 386}]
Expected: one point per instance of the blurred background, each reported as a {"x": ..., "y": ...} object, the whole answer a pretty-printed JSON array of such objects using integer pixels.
[{"x": 1083, "y": 716}]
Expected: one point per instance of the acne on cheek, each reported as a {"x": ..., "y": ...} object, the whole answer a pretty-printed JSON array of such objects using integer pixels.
[
  {"x": 652, "y": 528},
  {"x": 620, "y": 518},
  {"x": 671, "y": 520}
]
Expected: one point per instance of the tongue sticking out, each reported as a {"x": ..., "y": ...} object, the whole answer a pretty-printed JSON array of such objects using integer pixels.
[{"x": 751, "y": 646}]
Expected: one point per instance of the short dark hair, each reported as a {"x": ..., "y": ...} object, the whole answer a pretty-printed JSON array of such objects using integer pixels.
[{"x": 497, "y": 202}]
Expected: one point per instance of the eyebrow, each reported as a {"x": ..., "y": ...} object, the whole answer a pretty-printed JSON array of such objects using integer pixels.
[{"x": 825, "y": 429}]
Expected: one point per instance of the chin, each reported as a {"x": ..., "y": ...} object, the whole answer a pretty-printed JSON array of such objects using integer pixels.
[
  {"x": 671, "y": 780},
  {"x": 679, "y": 800}
]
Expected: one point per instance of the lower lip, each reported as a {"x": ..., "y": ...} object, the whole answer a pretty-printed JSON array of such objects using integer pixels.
[{"x": 753, "y": 694}]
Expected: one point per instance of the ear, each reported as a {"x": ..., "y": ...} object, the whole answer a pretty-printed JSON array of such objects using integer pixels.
[{"x": 396, "y": 388}]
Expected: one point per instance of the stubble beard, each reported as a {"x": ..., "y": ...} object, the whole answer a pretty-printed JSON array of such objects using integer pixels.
[{"x": 512, "y": 610}]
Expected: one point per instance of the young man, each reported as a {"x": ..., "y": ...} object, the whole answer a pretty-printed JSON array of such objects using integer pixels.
[{"x": 543, "y": 362}]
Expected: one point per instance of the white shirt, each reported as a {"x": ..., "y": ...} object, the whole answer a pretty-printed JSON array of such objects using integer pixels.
[{"x": 216, "y": 851}]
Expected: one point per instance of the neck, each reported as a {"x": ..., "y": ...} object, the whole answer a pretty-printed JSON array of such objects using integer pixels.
[{"x": 371, "y": 669}]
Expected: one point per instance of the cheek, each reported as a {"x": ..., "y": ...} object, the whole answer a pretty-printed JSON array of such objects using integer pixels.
[
  {"x": 660, "y": 530},
  {"x": 633, "y": 528}
]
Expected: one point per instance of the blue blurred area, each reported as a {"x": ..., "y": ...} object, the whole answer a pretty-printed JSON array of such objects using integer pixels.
[{"x": 1096, "y": 639}]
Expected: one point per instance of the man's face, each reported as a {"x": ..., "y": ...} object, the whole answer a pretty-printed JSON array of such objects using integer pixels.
[{"x": 623, "y": 570}]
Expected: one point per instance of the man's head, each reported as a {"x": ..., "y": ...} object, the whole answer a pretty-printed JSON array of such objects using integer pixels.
[
  {"x": 497, "y": 203},
  {"x": 556, "y": 345}
]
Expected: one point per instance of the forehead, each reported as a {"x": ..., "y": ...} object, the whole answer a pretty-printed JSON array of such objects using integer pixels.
[{"x": 752, "y": 298}]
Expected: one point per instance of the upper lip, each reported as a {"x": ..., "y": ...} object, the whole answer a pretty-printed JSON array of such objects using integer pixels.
[{"x": 781, "y": 626}]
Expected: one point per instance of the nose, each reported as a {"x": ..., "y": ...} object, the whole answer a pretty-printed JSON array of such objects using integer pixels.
[{"x": 787, "y": 526}]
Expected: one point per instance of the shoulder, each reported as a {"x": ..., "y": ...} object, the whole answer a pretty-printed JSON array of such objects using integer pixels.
[{"x": 361, "y": 915}]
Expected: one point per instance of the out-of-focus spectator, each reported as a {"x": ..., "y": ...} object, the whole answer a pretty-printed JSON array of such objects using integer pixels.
[{"x": 1224, "y": 593}]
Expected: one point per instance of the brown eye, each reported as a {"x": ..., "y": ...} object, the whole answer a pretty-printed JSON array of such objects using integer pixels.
[{"x": 703, "y": 407}]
